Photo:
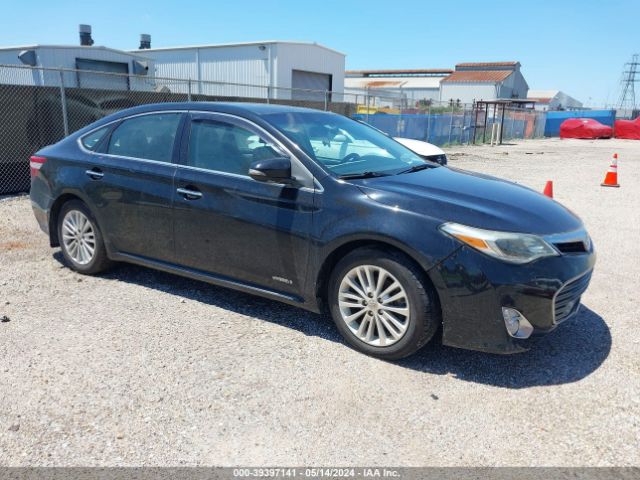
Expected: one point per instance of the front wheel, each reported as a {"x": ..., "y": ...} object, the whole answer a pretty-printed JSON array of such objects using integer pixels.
[{"x": 382, "y": 303}]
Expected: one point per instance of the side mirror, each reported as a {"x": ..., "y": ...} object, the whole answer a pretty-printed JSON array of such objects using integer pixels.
[{"x": 276, "y": 170}]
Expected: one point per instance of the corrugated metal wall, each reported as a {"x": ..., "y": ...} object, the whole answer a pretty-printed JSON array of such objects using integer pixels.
[
  {"x": 249, "y": 64},
  {"x": 309, "y": 58},
  {"x": 467, "y": 92},
  {"x": 65, "y": 57},
  {"x": 242, "y": 64}
]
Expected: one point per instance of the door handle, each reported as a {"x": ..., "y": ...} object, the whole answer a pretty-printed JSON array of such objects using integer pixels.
[
  {"x": 189, "y": 194},
  {"x": 95, "y": 174}
]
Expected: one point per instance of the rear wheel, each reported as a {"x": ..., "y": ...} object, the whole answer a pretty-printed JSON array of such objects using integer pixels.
[
  {"x": 382, "y": 304},
  {"x": 81, "y": 240}
]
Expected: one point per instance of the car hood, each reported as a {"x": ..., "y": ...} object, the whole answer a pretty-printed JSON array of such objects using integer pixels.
[
  {"x": 420, "y": 147},
  {"x": 452, "y": 195}
]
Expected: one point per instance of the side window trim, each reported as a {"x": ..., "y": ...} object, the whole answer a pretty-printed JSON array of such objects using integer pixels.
[{"x": 309, "y": 180}]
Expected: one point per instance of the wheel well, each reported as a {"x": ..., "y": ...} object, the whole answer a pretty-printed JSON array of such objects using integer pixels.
[
  {"x": 53, "y": 216},
  {"x": 334, "y": 257}
]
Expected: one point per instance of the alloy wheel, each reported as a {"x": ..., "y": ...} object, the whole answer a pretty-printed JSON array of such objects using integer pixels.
[
  {"x": 374, "y": 305},
  {"x": 78, "y": 237}
]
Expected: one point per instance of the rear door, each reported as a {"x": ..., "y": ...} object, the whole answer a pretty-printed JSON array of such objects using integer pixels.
[
  {"x": 131, "y": 184},
  {"x": 229, "y": 224}
]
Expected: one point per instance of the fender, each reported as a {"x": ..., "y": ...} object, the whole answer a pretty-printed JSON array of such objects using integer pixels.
[{"x": 57, "y": 203}]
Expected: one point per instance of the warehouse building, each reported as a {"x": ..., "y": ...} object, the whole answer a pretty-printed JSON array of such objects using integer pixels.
[
  {"x": 412, "y": 86},
  {"x": 484, "y": 81},
  {"x": 85, "y": 58},
  {"x": 550, "y": 100},
  {"x": 256, "y": 68}
]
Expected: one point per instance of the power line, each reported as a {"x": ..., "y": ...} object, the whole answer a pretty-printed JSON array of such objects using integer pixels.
[{"x": 630, "y": 76}]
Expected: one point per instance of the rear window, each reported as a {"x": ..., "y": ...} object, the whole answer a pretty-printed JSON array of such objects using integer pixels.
[
  {"x": 92, "y": 140},
  {"x": 149, "y": 137}
]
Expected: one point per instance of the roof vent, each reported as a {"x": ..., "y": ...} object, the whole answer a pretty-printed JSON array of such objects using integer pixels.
[
  {"x": 85, "y": 35},
  {"x": 145, "y": 41}
]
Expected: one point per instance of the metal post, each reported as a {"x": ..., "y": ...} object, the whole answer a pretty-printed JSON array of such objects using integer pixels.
[
  {"x": 189, "y": 91},
  {"x": 513, "y": 123},
  {"x": 464, "y": 119},
  {"x": 326, "y": 100},
  {"x": 493, "y": 122},
  {"x": 63, "y": 101},
  {"x": 428, "y": 122},
  {"x": 367, "y": 104},
  {"x": 484, "y": 129},
  {"x": 451, "y": 123},
  {"x": 475, "y": 120},
  {"x": 502, "y": 123}
]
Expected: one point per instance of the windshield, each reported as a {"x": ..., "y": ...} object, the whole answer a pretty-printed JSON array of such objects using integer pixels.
[{"x": 343, "y": 146}]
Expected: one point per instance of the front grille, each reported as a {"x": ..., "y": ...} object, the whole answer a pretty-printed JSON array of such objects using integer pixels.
[
  {"x": 567, "y": 299},
  {"x": 571, "y": 247}
]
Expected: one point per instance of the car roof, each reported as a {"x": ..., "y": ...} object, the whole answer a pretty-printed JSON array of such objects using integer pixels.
[
  {"x": 252, "y": 111},
  {"x": 240, "y": 108}
]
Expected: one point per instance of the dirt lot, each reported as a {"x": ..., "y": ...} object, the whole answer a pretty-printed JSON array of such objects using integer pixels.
[{"x": 143, "y": 368}]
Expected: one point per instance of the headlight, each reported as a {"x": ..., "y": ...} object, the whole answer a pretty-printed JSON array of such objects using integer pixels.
[{"x": 506, "y": 246}]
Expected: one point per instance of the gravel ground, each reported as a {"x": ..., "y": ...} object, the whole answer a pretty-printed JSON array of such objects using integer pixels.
[{"x": 138, "y": 367}]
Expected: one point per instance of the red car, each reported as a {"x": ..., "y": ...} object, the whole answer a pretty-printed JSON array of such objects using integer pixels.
[
  {"x": 629, "y": 129},
  {"x": 584, "y": 128}
]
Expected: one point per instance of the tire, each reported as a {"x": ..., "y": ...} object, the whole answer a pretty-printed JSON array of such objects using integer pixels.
[
  {"x": 90, "y": 255},
  {"x": 414, "y": 303}
]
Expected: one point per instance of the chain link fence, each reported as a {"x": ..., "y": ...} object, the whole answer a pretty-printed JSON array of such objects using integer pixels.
[
  {"x": 40, "y": 106},
  {"x": 450, "y": 123}
]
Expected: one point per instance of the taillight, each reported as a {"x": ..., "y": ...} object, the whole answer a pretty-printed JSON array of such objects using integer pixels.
[{"x": 36, "y": 164}]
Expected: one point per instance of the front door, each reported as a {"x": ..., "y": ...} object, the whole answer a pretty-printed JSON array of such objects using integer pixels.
[{"x": 231, "y": 225}]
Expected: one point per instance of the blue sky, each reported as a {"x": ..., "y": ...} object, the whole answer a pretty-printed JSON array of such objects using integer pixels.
[{"x": 576, "y": 46}]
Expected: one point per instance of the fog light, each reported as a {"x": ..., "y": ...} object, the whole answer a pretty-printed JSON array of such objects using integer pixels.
[{"x": 517, "y": 325}]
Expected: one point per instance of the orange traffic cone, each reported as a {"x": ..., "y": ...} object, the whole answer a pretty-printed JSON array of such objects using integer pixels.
[
  {"x": 548, "y": 189},
  {"x": 611, "y": 178}
]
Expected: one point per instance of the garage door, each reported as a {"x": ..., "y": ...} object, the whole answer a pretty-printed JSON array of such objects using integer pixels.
[
  {"x": 310, "y": 81},
  {"x": 96, "y": 80}
]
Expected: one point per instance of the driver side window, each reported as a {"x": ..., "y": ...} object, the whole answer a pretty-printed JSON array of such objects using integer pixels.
[{"x": 224, "y": 147}]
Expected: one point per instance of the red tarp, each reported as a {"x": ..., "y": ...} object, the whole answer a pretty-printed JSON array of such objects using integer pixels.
[
  {"x": 584, "y": 128},
  {"x": 628, "y": 129}
]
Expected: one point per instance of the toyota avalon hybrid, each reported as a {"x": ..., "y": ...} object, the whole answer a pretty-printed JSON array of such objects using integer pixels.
[{"x": 319, "y": 211}]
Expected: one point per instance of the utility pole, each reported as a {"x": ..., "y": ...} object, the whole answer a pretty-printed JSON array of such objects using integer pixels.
[{"x": 627, "y": 100}]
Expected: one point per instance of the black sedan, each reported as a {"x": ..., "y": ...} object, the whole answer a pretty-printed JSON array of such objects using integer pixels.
[{"x": 316, "y": 210}]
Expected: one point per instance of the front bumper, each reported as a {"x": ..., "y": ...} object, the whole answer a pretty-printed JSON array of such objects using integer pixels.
[{"x": 473, "y": 288}]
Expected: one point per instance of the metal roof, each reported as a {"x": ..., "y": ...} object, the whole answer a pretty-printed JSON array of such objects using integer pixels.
[
  {"x": 542, "y": 93},
  {"x": 543, "y": 100},
  {"x": 137, "y": 53},
  {"x": 393, "y": 82},
  {"x": 478, "y": 76},
  {"x": 240, "y": 44},
  {"x": 401, "y": 73},
  {"x": 487, "y": 64}
]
